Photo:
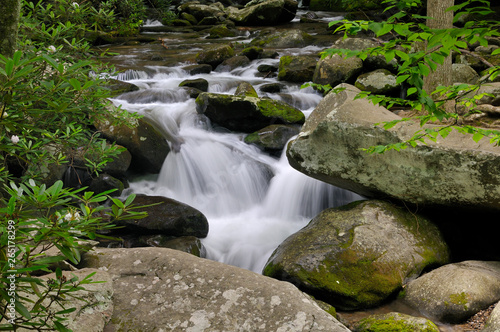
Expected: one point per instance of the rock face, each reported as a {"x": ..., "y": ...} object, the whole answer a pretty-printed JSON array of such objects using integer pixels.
[
  {"x": 168, "y": 218},
  {"x": 246, "y": 114},
  {"x": 357, "y": 256},
  {"x": 264, "y": 12},
  {"x": 454, "y": 172},
  {"x": 454, "y": 292},
  {"x": 161, "y": 289}
]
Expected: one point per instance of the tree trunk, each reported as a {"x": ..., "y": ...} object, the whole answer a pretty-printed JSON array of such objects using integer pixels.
[
  {"x": 9, "y": 19},
  {"x": 442, "y": 19}
]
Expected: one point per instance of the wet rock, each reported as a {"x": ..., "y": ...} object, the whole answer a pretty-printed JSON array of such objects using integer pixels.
[
  {"x": 454, "y": 172},
  {"x": 395, "y": 321},
  {"x": 272, "y": 138},
  {"x": 245, "y": 89},
  {"x": 201, "y": 295},
  {"x": 198, "y": 83},
  {"x": 167, "y": 217},
  {"x": 188, "y": 17},
  {"x": 335, "y": 69},
  {"x": 265, "y": 68},
  {"x": 283, "y": 39},
  {"x": 200, "y": 11},
  {"x": 252, "y": 52},
  {"x": 380, "y": 81},
  {"x": 215, "y": 55},
  {"x": 246, "y": 114},
  {"x": 221, "y": 31},
  {"x": 454, "y": 292},
  {"x": 264, "y": 12},
  {"x": 359, "y": 255},
  {"x": 271, "y": 87},
  {"x": 233, "y": 63},
  {"x": 298, "y": 68},
  {"x": 147, "y": 145},
  {"x": 198, "y": 69},
  {"x": 118, "y": 87}
]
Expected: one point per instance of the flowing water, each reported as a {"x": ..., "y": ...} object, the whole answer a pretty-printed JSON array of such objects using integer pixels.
[{"x": 253, "y": 201}]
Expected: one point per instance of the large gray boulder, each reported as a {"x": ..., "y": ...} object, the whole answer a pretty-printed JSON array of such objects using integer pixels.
[
  {"x": 453, "y": 172},
  {"x": 246, "y": 114},
  {"x": 158, "y": 289},
  {"x": 356, "y": 256},
  {"x": 454, "y": 292},
  {"x": 264, "y": 12}
]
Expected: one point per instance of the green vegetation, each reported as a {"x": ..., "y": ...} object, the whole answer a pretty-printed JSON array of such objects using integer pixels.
[
  {"x": 398, "y": 37},
  {"x": 50, "y": 99}
]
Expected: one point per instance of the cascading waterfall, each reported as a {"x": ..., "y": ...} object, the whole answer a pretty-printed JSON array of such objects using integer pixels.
[{"x": 253, "y": 201}]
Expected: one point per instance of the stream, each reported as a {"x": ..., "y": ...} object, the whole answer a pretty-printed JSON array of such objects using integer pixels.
[{"x": 252, "y": 200}]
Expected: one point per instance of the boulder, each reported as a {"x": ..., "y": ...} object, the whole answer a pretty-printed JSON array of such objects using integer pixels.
[
  {"x": 454, "y": 292},
  {"x": 454, "y": 172},
  {"x": 283, "y": 39},
  {"x": 380, "y": 81},
  {"x": 372, "y": 62},
  {"x": 246, "y": 114},
  {"x": 272, "y": 87},
  {"x": 168, "y": 217},
  {"x": 147, "y": 145},
  {"x": 395, "y": 321},
  {"x": 105, "y": 182},
  {"x": 272, "y": 138},
  {"x": 252, "y": 52},
  {"x": 118, "y": 87},
  {"x": 264, "y": 12},
  {"x": 233, "y": 63},
  {"x": 359, "y": 255},
  {"x": 493, "y": 322},
  {"x": 297, "y": 68},
  {"x": 159, "y": 289},
  {"x": 464, "y": 74},
  {"x": 198, "y": 83},
  {"x": 245, "y": 89},
  {"x": 221, "y": 31},
  {"x": 200, "y": 11},
  {"x": 189, "y": 244},
  {"x": 335, "y": 69},
  {"x": 198, "y": 69},
  {"x": 215, "y": 55}
]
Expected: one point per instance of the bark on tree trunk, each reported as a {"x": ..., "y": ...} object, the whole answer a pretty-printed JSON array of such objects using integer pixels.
[
  {"x": 9, "y": 19},
  {"x": 441, "y": 20}
]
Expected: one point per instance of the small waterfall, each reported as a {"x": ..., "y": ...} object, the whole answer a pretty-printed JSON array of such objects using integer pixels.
[{"x": 253, "y": 201}]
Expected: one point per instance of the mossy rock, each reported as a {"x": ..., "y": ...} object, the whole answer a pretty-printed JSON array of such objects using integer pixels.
[
  {"x": 395, "y": 322},
  {"x": 359, "y": 255},
  {"x": 297, "y": 68},
  {"x": 215, "y": 55},
  {"x": 246, "y": 114},
  {"x": 221, "y": 31},
  {"x": 252, "y": 52},
  {"x": 245, "y": 89},
  {"x": 273, "y": 137}
]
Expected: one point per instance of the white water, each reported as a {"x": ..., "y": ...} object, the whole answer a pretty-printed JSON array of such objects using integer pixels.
[{"x": 252, "y": 201}]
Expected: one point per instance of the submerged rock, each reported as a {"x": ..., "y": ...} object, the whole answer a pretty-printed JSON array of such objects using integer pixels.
[
  {"x": 246, "y": 114},
  {"x": 201, "y": 295},
  {"x": 454, "y": 292},
  {"x": 359, "y": 255}
]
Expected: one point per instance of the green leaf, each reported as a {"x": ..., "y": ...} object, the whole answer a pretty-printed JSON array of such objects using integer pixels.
[
  {"x": 21, "y": 309},
  {"x": 477, "y": 136}
]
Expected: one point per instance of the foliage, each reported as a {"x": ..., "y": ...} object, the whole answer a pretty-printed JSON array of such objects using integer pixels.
[
  {"x": 48, "y": 103},
  {"x": 34, "y": 220},
  {"x": 397, "y": 39},
  {"x": 162, "y": 9}
]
